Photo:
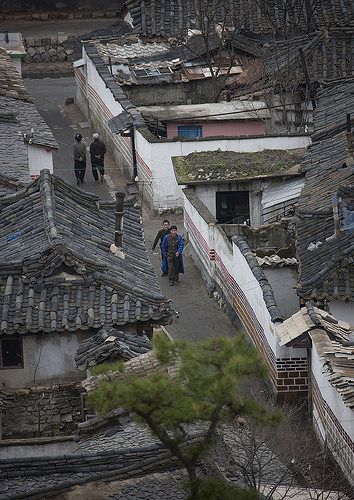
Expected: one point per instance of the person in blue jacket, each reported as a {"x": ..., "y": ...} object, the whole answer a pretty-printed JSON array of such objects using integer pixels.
[{"x": 172, "y": 260}]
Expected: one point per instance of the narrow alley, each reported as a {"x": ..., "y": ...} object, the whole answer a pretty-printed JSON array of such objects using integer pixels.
[{"x": 197, "y": 315}]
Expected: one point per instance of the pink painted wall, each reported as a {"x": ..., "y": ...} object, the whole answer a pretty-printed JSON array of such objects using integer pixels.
[{"x": 228, "y": 128}]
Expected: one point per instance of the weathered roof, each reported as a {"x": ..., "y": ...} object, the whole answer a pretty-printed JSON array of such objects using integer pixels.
[
  {"x": 331, "y": 339},
  {"x": 17, "y": 120},
  {"x": 225, "y": 166},
  {"x": 326, "y": 263},
  {"x": 125, "y": 120},
  {"x": 169, "y": 18},
  {"x": 9, "y": 185},
  {"x": 109, "y": 344},
  {"x": 338, "y": 364},
  {"x": 257, "y": 271},
  {"x": 234, "y": 110},
  {"x": 11, "y": 83},
  {"x": 307, "y": 319},
  {"x": 56, "y": 269}
]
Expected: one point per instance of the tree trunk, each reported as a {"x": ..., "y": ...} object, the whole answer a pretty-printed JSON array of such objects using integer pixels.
[{"x": 194, "y": 486}]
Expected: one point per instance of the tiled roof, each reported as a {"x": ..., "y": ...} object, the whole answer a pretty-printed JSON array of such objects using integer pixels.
[
  {"x": 11, "y": 83},
  {"x": 109, "y": 344},
  {"x": 338, "y": 364},
  {"x": 125, "y": 120},
  {"x": 257, "y": 271},
  {"x": 325, "y": 262},
  {"x": 225, "y": 166},
  {"x": 173, "y": 17},
  {"x": 18, "y": 118},
  {"x": 330, "y": 337},
  {"x": 137, "y": 50},
  {"x": 9, "y": 185},
  {"x": 56, "y": 269},
  {"x": 328, "y": 56},
  {"x": 307, "y": 319}
]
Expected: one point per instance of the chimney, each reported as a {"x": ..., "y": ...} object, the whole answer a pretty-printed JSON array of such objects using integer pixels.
[{"x": 119, "y": 212}]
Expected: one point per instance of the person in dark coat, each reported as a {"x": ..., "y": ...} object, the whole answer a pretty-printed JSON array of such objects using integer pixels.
[
  {"x": 79, "y": 150},
  {"x": 159, "y": 238},
  {"x": 97, "y": 152},
  {"x": 172, "y": 248}
]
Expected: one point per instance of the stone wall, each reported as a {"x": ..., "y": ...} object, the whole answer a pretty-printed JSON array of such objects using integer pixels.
[
  {"x": 43, "y": 411},
  {"x": 49, "y": 49},
  {"x": 43, "y": 10}
]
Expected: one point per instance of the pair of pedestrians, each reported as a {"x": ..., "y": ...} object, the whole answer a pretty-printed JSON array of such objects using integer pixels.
[
  {"x": 97, "y": 153},
  {"x": 171, "y": 245}
]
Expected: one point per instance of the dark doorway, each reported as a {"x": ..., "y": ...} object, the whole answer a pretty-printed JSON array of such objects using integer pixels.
[{"x": 233, "y": 207}]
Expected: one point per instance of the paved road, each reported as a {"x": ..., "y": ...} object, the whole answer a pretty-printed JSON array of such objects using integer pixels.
[
  {"x": 50, "y": 95},
  {"x": 55, "y": 27},
  {"x": 199, "y": 315}
]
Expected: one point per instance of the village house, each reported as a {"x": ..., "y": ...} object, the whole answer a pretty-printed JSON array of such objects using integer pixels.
[
  {"x": 151, "y": 95},
  {"x": 243, "y": 188},
  {"x": 27, "y": 144},
  {"x": 60, "y": 281},
  {"x": 261, "y": 275}
]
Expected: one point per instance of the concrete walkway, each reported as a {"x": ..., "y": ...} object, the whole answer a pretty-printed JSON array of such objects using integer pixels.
[{"x": 199, "y": 316}]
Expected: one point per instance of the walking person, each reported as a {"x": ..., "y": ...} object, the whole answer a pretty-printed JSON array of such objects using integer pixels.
[
  {"x": 172, "y": 248},
  {"x": 79, "y": 149},
  {"x": 97, "y": 152},
  {"x": 159, "y": 238}
]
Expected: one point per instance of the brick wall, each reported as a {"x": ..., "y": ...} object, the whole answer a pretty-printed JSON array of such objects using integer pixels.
[
  {"x": 43, "y": 411},
  {"x": 292, "y": 378}
]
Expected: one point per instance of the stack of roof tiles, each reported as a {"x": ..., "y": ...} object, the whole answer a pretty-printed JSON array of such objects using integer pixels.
[
  {"x": 331, "y": 338},
  {"x": 326, "y": 270},
  {"x": 56, "y": 269},
  {"x": 110, "y": 344}
]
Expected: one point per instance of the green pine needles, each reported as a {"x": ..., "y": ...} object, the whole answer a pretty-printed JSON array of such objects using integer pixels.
[{"x": 207, "y": 387}]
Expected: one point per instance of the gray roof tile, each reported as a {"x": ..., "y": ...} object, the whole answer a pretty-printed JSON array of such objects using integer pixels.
[
  {"x": 56, "y": 269},
  {"x": 326, "y": 271}
]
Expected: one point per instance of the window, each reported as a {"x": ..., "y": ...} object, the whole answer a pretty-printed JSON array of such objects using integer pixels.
[
  {"x": 11, "y": 352},
  {"x": 232, "y": 207},
  {"x": 190, "y": 131}
]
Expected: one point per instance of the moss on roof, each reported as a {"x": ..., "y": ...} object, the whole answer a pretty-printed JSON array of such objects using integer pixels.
[{"x": 226, "y": 166}]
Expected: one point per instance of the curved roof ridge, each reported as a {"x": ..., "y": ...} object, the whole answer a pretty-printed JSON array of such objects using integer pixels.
[{"x": 48, "y": 200}]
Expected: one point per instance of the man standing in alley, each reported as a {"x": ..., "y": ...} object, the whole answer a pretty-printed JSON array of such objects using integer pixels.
[
  {"x": 172, "y": 248},
  {"x": 97, "y": 152},
  {"x": 159, "y": 239},
  {"x": 79, "y": 149}
]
